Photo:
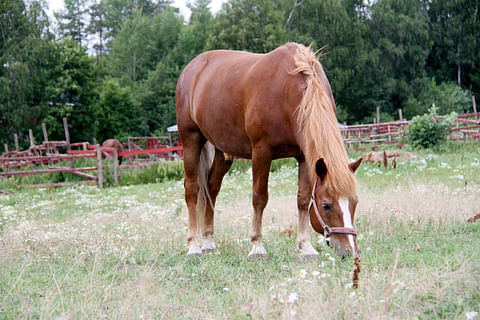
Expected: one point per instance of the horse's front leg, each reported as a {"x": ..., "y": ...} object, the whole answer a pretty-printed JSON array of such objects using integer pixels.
[
  {"x": 261, "y": 160},
  {"x": 303, "y": 199}
]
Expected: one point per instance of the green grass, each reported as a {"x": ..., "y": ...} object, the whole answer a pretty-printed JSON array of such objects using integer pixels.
[{"x": 81, "y": 252}]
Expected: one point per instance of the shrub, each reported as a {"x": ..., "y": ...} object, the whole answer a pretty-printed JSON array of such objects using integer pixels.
[{"x": 426, "y": 131}]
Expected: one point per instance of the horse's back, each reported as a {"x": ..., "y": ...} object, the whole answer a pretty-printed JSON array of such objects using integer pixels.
[{"x": 236, "y": 98}]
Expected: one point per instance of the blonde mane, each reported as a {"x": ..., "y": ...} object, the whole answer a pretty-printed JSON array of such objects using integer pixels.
[{"x": 317, "y": 120}]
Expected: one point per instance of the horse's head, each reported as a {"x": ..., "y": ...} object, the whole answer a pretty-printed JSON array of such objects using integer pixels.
[{"x": 333, "y": 215}]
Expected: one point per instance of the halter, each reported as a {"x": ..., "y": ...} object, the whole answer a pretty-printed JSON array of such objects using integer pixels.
[{"x": 327, "y": 229}]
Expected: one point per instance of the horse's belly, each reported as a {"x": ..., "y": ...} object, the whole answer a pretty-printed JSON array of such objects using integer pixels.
[{"x": 231, "y": 141}]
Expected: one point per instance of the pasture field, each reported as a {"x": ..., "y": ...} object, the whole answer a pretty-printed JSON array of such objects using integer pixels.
[{"x": 119, "y": 253}]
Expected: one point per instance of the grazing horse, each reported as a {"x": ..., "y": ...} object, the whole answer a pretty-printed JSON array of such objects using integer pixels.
[
  {"x": 114, "y": 143},
  {"x": 263, "y": 107}
]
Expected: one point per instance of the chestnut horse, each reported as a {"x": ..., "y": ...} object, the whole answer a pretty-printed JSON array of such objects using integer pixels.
[
  {"x": 263, "y": 107},
  {"x": 114, "y": 143}
]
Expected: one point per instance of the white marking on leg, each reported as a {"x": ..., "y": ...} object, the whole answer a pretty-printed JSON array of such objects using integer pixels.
[
  {"x": 257, "y": 250},
  {"x": 347, "y": 220},
  {"x": 194, "y": 250},
  {"x": 208, "y": 244}
]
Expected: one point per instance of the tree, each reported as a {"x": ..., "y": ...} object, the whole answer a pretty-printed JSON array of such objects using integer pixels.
[
  {"x": 255, "y": 26},
  {"x": 118, "y": 115},
  {"x": 71, "y": 21},
  {"x": 117, "y": 11},
  {"x": 71, "y": 91},
  {"x": 194, "y": 36},
  {"x": 399, "y": 40},
  {"x": 141, "y": 43},
  {"x": 25, "y": 45},
  {"x": 447, "y": 97},
  {"x": 156, "y": 95},
  {"x": 455, "y": 32},
  {"x": 97, "y": 27},
  {"x": 340, "y": 27}
]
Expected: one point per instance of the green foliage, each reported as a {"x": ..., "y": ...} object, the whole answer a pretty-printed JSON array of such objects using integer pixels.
[
  {"x": 71, "y": 21},
  {"x": 141, "y": 43},
  {"x": 426, "y": 131},
  {"x": 71, "y": 92},
  {"x": 156, "y": 96},
  {"x": 120, "y": 115},
  {"x": 254, "y": 26},
  {"x": 447, "y": 97}
]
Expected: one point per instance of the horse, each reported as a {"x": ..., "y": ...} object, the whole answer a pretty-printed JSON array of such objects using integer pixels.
[
  {"x": 264, "y": 107},
  {"x": 114, "y": 143}
]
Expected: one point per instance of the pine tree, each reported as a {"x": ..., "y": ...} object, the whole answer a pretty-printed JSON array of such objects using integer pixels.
[{"x": 71, "y": 21}]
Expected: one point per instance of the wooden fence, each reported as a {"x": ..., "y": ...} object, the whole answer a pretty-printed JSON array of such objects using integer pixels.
[
  {"x": 466, "y": 129},
  {"x": 59, "y": 156},
  {"x": 51, "y": 156},
  {"x": 374, "y": 134}
]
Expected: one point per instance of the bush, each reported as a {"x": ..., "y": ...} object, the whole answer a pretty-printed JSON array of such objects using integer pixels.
[{"x": 426, "y": 131}]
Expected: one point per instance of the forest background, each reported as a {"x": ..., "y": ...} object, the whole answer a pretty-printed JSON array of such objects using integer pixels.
[{"x": 111, "y": 66}]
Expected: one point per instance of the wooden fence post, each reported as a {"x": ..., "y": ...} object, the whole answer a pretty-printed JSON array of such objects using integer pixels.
[
  {"x": 15, "y": 139},
  {"x": 67, "y": 138},
  {"x": 99, "y": 167},
  {"x": 115, "y": 166},
  {"x": 400, "y": 116},
  {"x": 44, "y": 130},
  {"x": 30, "y": 134},
  {"x": 49, "y": 148},
  {"x": 6, "y": 148},
  {"x": 474, "y": 107},
  {"x": 378, "y": 115},
  {"x": 130, "y": 149}
]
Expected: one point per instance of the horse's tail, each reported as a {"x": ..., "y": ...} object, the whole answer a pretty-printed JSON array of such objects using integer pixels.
[{"x": 206, "y": 161}]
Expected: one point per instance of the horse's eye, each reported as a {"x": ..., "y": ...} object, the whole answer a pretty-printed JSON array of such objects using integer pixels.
[{"x": 326, "y": 206}]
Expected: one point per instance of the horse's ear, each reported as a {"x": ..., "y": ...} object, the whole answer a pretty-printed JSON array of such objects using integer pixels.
[
  {"x": 354, "y": 165},
  {"x": 321, "y": 168}
]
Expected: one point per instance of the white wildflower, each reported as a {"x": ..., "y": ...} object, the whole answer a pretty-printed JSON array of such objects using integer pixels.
[
  {"x": 303, "y": 273},
  {"x": 292, "y": 297}
]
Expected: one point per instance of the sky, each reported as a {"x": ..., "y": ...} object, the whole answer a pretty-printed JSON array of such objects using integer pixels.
[{"x": 55, "y": 5}]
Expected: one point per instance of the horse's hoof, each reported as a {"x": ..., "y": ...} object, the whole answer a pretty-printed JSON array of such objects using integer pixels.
[
  {"x": 194, "y": 255},
  {"x": 258, "y": 251},
  {"x": 253, "y": 256},
  {"x": 194, "y": 251},
  {"x": 309, "y": 256},
  {"x": 228, "y": 162},
  {"x": 208, "y": 250}
]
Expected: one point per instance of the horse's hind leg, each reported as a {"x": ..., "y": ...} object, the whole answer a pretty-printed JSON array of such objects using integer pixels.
[
  {"x": 303, "y": 199},
  {"x": 219, "y": 168},
  {"x": 192, "y": 147}
]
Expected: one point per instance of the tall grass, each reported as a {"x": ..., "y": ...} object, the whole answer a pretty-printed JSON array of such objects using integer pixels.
[{"x": 83, "y": 252}]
